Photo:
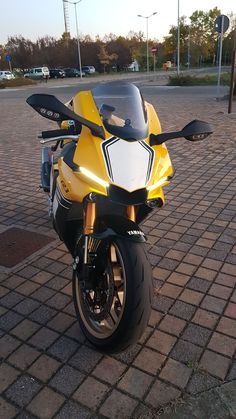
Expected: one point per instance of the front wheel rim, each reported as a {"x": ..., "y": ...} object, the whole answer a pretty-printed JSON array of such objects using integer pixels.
[{"x": 106, "y": 326}]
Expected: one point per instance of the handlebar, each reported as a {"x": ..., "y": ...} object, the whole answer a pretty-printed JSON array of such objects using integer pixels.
[{"x": 55, "y": 133}]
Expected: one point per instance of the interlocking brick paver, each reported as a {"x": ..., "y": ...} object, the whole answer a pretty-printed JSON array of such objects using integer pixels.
[
  {"x": 63, "y": 348},
  {"x": 227, "y": 326},
  {"x": 176, "y": 373},
  {"x": 172, "y": 325},
  {"x": 135, "y": 382},
  {"x": 149, "y": 360},
  {"x": 205, "y": 318},
  {"x": 196, "y": 334},
  {"x": 170, "y": 290},
  {"x": 215, "y": 364},
  {"x": 161, "y": 341},
  {"x": 9, "y": 320},
  {"x": 231, "y": 310},
  {"x": 23, "y": 356},
  {"x": 216, "y": 305},
  {"x": 26, "y": 306},
  {"x": 201, "y": 381},
  {"x": 161, "y": 394},
  {"x": 61, "y": 322},
  {"x": 118, "y": 405},
  {"x": 73, "y": 410},
  {"x": 11, "y": 299},
  {"x": 192, "y": 297},
  {"x": 186, "y": 352},
  {"x": 223, "y": 344},
  {"x": 183, "y": 310},
  {"x": 46, "y": 403},
  {"x": 25, "y": 329},
  {"x": 226, "y": 280},
  {"x": 91, "y": 393},
  {"x": 198, "y": 284},
  {"x": 43, "y": 338},
  {"x": 85, "y": 358},
  {"x": 8, "y": 374},
  {"x": 178, "y": 279},
  {"x": 162, "y": 303},
  {"x": 109, "y": 370},
  {"x": 7, "y": 345},
  {"x": 44, "y": 367},
  {"x": 23, "y": 390},
  {"x": 7, "y": 410},
  {"x": 66, "y": 380}
]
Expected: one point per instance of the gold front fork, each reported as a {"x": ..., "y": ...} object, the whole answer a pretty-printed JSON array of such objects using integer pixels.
[
  {"x": 131, "y": 213},
  {"x": 90, "y": 216}
]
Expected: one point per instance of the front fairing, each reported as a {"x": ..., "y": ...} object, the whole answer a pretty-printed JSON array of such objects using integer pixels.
[{"x": 130, "y": 165}]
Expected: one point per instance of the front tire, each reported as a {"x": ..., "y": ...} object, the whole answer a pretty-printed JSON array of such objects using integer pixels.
[{"x": 114, "y": 314}]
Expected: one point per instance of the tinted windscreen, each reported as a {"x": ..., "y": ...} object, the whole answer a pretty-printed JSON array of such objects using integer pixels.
[{"x": 122, "y": 110}]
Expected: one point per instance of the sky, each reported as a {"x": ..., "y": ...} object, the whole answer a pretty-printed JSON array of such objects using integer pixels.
[{"x": 37, "y": 18}]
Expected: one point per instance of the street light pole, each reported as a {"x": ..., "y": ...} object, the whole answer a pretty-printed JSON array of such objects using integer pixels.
[
  {"x": 77, "y": 33},
  {"x": 147, "y": 17},
  {"x": 178, "y": 43}
]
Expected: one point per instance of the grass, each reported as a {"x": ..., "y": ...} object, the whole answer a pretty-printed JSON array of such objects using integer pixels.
[
  {"x": 187, "y": 80},
  {"x": 19, "y": 81}
]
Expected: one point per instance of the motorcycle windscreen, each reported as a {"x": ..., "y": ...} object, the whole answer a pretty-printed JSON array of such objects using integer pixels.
[
  {"x": 129, "y": 164},
  {"x": 122, "y": 110}
]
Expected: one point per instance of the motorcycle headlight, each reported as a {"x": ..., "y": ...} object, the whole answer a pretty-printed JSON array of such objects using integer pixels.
[
  {"x": 92, "y": 176},
  {"x": 162, "y": 182}
]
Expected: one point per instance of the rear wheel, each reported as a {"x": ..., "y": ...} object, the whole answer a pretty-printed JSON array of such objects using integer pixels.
[{"x": 114, "y": 306}]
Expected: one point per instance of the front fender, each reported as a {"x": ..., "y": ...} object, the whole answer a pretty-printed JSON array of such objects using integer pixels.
[{"x": 116, "y": 225}]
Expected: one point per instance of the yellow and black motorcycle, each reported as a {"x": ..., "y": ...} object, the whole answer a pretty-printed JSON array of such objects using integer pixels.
[{"x": 108, "y": 176}]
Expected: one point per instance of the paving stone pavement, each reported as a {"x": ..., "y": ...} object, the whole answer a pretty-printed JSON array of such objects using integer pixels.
[{"x": 47, "y": 368}]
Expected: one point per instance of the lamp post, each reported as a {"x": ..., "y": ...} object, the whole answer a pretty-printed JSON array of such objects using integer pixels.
[
  {"x": 147, "y": 17},
  {"x": 178, "y": 43},
  {"x": 77, "y": 32}
]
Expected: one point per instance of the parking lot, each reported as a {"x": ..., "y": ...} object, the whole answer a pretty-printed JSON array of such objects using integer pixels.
[{"x": 47, "y": 368}]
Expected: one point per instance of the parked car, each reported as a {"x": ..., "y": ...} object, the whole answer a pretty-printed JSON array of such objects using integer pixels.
[
  {"x": 37, "y": 73},
  {"x": 88, "y": 69},
  {"x": 73, "y": 72},
  {"x": 57, "y": 73},
  {"x": 6, "y": 75}
]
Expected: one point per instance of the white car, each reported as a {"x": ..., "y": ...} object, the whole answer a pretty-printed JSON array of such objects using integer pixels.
[
  {"x": 37, "y": 73},
  {"x": 6, "y": 75}
]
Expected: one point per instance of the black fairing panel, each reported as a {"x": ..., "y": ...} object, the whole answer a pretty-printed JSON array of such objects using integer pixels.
[{"x": 110, "y": 226}]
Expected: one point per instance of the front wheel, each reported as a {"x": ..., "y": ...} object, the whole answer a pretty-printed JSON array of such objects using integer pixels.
[{"x": 114, "y": 308}]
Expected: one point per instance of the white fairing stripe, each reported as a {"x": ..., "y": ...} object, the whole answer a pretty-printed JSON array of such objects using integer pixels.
[{"x": 129, "y": 164}]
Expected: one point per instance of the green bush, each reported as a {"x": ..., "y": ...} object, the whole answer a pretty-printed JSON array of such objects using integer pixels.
[
  {"x": 187, "y": 80},
  {"x": 19, "y": 81}
]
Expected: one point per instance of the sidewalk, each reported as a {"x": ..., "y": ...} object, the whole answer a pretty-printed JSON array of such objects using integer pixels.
[{"x": 186, "y": 360}]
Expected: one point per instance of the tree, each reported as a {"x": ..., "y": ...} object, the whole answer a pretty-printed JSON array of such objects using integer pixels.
[
  {"x": 203, "y": 35},
  {"x": 106, "y": 59}
]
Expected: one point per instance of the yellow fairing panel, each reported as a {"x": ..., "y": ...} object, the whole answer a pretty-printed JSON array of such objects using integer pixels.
[
  {"x": 87, "y": 154},
  {"x": 162, "y": 166}
]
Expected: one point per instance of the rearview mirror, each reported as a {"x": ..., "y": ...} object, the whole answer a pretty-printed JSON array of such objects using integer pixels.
[
  {"x": 50, "y": 107},
  {"x": 194, "y": 131}
]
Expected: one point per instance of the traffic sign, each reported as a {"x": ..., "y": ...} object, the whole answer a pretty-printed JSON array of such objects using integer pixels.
[
  {"x": 154, "y": 50},
  {"x": 222, "y": 23},
  {"x": 8, "y": 57}
]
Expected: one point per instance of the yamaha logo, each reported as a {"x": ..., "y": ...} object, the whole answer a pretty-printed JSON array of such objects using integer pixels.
[{"x": 135, "y": 232}]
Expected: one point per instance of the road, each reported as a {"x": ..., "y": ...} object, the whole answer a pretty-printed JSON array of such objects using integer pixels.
[{"x": 65, "y": 89}]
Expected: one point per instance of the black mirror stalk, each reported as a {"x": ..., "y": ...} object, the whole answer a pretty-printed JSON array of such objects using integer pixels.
[{"x": 194, "y": 131}]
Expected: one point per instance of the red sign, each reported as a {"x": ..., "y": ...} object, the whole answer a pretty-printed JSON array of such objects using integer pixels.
[{"x": 154, "y": 50}]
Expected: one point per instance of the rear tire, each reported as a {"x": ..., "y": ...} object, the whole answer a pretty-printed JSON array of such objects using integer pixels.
[{"x": 130, "y": 275}]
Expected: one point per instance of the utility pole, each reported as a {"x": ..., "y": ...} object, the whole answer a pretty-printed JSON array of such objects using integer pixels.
[{"x": 232, "y": 81}]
